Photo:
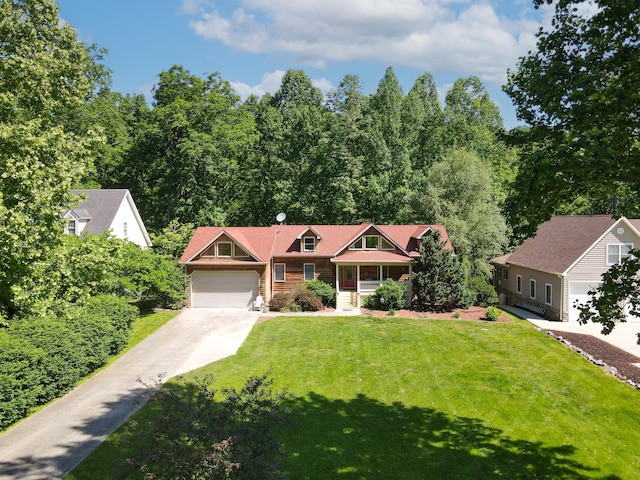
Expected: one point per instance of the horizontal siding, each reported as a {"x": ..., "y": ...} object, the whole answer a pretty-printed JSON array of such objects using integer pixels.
[
  {"x": 594, "y": 263},
  {"x": 509, "y": 288},
  {"x": 294, "y": 272}
]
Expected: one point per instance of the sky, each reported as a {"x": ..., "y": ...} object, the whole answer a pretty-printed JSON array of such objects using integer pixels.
[{"x": 252, "y": 43}]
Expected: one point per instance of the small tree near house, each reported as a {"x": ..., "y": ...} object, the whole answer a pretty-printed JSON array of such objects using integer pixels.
[{"x": 438, "y": 277}]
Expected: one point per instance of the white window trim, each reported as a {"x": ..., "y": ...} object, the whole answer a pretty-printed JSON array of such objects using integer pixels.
[
  {"x": 75, "y": 226},
  {"x": 304, "y": 272},
  {"x": 533, "y": 287},
  {"x": 519, "y": 283},
  {"x": 630, "y": 245},
  {"x": 218, "y": 249},
  {"x": 390, "y": 247},
  {"x": 284, "y": 272},
  {"x": 304, "y": 244},
  {"x": 364, "y": 243},
  {"x": 353, "y": 245},
  {"x": 548, "y": 288},
  {"x": 125, "y": 232},
  {"x": 237, "y": 247}
]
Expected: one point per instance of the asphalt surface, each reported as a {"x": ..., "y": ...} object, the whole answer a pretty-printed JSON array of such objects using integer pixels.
[{"x": 49, "y": 444}]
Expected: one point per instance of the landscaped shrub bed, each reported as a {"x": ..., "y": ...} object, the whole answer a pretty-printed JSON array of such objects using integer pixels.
[{"x": 41, "y": 358}]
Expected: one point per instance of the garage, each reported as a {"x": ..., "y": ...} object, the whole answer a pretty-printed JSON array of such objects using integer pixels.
[
  {"x": 578, "y": 291},
  {"x": 224, "y": 289}
]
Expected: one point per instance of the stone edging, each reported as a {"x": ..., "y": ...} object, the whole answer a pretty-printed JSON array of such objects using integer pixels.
[{"x": 596, "y": 361}]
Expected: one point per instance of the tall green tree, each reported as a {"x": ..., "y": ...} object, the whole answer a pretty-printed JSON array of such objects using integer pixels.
[
  {"x": 438, "y": 277},
  {"x": 458, "y": 193},
  {"x": 42, "y": 81},
  {"x": 580, "y": 94},
  {"x": 186, "y": 159}
]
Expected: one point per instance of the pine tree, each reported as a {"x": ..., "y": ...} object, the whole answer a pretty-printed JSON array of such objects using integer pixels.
[{"x": 438, "y": 277}]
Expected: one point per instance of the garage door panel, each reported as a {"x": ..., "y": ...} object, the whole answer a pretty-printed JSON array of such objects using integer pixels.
[
  {"x": 578, "y": 291},
  {"x": 224, "y": 289}
]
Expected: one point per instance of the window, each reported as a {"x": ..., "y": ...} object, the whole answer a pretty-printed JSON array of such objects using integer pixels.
[
  {"x": 239, "y": 252},
  {"x": 385, "y": 272},
  {"x": 505, "y": 273},
  {"x": 616, "y": 252},
  {"x": 385, "y": 245},
  {"x": 224, "y": 249},
  {"x": 124, "y": 230},
  {"x": 371, "y": 242},
  {"x": 71, "y": 227},
  {"x": 279, "y": 272},
  {"x": 519, "y": 284},
  {"x": 532, "y": 288},
  {"x": 308, "y": 244},
  {"x": 548, "y": 294},
  {"x": 309, "y": 272},
  {"x": 357, "y": 245}
]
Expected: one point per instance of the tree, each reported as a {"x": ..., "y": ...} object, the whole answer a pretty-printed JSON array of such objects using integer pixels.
[
  {"x": 200, "y": 434},
  {"x": 580, "y": 94},
  {"x": 438, "y": 278},
  {"x": 458, "y": 193},
  {"x": 617, "y": 296},
  {"x": 42, "y": 80}
]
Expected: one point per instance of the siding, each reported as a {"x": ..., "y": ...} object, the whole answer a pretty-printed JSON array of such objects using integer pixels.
[
  {"x": 541, "y": 278},
  {"x": 591, "y": 267},
  {"x": 294, "y": 272}
]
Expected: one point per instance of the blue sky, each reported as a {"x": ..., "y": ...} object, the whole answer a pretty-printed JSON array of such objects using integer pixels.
[{"x": 251, "y": 43}]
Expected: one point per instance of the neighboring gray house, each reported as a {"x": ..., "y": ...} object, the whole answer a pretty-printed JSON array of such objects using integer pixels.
[
  {"x": 549, "y": 272},
  {"x": 107, "y": 210}
]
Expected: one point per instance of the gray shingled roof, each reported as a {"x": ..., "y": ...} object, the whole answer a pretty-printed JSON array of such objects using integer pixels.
[
  {"x": 102, "y": 206},
  {"x": 560, "y": 241}
]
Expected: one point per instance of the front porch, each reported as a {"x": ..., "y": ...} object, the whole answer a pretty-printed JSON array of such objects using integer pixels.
[{"x": 354, "y": 282}]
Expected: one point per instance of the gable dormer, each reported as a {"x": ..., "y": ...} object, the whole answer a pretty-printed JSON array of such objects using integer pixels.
[
  {"x": 309, "y": 240},
  {"x": 225, "y": 247},
  {"x": 372, "y": 239}
]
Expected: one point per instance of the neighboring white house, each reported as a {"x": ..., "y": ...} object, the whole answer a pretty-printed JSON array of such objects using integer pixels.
[
  {"x": 555, "y": 268},
  {"x": 107, "y": 210}
]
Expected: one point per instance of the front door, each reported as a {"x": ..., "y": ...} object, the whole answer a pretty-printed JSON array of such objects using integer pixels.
[{"x": 348, "y": 279}]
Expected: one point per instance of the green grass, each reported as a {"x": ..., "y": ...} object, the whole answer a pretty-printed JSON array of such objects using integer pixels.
[{"x": 391, "y": 398}]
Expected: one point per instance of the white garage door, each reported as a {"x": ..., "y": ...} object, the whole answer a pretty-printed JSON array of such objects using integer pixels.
[
  {"x": 578, "y": 292},
  {"x": 223, "y": 289}
]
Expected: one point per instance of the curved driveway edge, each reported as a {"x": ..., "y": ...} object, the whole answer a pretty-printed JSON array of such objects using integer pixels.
[{"x": 50, "y": 443}]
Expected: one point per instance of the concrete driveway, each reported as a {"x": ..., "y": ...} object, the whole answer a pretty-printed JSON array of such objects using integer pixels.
[{"x": 50, "y": 443}]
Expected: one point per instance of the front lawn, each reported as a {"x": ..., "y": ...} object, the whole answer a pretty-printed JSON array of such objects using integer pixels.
[{"x": 392, "y": 398}]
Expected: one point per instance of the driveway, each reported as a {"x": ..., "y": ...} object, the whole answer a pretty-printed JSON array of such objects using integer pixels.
[{"x": 49, "y": 444}]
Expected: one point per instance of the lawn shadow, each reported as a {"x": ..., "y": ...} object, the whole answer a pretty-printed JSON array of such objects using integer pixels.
[{"x": 363, "y": 438}]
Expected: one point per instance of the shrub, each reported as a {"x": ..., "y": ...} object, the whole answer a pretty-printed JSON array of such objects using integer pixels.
[
  {"x": 482, "y": 292},
  {"x": 324, "y": 291},
  {"x": 388, "y": 296},
  {"x": 493, "y": 313},
  {"x": 281, "y": 302},
  {"x": 199, "y": 435},
  {"x": 308, "y": 301}
]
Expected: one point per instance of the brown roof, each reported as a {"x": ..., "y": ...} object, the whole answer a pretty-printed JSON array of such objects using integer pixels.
[
  {"x": 282, "y": 241},
  {"x": 559, "y": 242}
]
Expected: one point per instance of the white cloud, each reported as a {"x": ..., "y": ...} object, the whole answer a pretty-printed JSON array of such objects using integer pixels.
[
  {"x": 437, "y": 36},
  {"x": 271, "y": 82}
]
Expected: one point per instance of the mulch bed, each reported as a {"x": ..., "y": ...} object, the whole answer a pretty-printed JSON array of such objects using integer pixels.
[{"x": 612, "y": 356}]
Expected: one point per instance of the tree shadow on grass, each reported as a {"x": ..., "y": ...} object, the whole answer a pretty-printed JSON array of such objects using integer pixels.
[{"x": 365, "y": 439}]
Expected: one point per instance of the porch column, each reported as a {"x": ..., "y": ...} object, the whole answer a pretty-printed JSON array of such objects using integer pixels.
[
  {"x": 410, "y": 283},
  {"x": 337, "y": 276}
]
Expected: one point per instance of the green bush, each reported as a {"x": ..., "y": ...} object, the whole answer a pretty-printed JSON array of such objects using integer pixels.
[
  {"x": 22, "y": 378},
  {"x": 493, "y": 313},
  {"x": 299, "y": 300},
  {"x": 388, "y": 296},
  {"x": 324, "y": 291},
  {"x": 482, "y": 292}
]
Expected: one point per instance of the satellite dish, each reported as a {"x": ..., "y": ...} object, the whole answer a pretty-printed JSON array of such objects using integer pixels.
[{"x": 281, "y": 216}]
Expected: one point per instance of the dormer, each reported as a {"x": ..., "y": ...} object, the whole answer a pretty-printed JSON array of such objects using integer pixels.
[
  {"x": 309, "y": 240},
  {"x": 224, "y": 247}
]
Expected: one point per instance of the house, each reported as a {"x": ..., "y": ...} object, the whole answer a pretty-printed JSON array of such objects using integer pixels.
[
  {"x": 231, "y": 266},
  {"x": 549, "y": 272},
  {"x": 107, "y": 210}
]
